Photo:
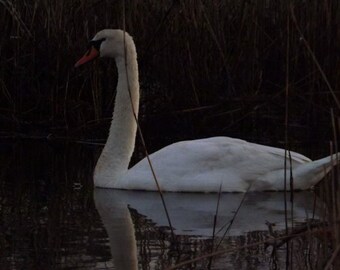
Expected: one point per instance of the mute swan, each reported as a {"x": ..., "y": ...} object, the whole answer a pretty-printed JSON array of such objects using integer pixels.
[{"x": 187, "y": 166}]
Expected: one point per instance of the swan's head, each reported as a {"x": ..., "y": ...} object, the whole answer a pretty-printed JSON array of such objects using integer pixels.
[{"x": 106, "y": 43}]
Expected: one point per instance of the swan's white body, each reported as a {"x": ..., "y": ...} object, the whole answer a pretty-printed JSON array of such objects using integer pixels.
[{"x": 188, "y": 166}]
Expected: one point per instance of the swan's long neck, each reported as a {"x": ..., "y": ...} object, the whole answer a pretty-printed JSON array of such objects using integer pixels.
[{"x": 114, "y": 160}]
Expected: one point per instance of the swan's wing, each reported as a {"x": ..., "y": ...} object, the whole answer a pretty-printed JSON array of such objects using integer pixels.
[
  {"x": 201, "y": 165},
  {"x": 237, "y": 149},
  {"x": 296, "y": 157}
]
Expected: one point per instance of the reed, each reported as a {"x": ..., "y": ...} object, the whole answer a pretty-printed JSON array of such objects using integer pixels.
[{"x": 214, "y": 68}]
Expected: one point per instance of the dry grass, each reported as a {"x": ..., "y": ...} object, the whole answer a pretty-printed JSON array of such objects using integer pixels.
[{"x": 211, "y": 67}]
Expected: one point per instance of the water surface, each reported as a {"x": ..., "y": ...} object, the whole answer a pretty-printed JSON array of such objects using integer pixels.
[{"x": 53, "y": 218}]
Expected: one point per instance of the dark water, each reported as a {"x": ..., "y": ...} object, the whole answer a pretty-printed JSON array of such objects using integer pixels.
[{"x": 52, "y": 218}]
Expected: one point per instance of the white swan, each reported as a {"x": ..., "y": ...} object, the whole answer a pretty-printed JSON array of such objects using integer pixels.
[{"x": 187, "y": 166}]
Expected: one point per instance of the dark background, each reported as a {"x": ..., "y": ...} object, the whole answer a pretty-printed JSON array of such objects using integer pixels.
[{"x": 206, "y": 68}]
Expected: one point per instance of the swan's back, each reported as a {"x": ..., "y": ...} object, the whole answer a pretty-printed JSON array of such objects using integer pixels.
[{"x": 203, "y": 165}]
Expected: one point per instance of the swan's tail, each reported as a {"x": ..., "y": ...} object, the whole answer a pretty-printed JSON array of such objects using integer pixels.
[{"x": 310, "y": 173}]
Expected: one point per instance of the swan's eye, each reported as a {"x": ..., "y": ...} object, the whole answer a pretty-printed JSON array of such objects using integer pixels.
[{"x": 95, "y": 43}]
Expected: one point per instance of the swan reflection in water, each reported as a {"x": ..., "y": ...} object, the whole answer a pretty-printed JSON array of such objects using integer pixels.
[{"x": 192, "y": 214}]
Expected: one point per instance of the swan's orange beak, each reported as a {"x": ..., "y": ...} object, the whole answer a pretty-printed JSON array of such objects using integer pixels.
[{"x": 91, "y": 54}]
